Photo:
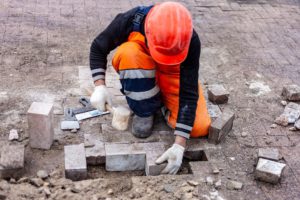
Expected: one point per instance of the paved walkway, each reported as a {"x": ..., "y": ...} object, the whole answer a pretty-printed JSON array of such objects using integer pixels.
[{"x": 252, "y": 47}]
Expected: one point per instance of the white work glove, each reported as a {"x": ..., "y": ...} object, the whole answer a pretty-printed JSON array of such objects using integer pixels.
[
  {"x": 174, "y": 157},
  {"x": 100, "y": 97}
]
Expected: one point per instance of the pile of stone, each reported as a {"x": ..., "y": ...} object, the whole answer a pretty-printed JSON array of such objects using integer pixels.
[
  {"x": 268, "y": 169},
  {"x": 291, "y": 113}
]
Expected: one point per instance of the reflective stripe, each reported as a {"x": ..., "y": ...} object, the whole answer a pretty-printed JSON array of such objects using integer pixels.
[
  {"x": 181, "y": 133},
  {"x": 94, "y": 71},
  {"x": 137, "y": 73},
  {"x": 138, "y": 96},
  {"x": 183, "y": 126},
  {"x": 98, "y": 77}
]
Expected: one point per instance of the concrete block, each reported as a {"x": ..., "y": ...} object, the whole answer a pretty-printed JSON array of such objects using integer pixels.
[
  {"x": 153, "y": 151},
  {"x": 40, "y": 123},
  {"x": 124, "y": 157},
  {"x": 75, "y": 162},
  {"x": 12, "y": 161},
  {"x": 221, "y": 127},
  {"x": 217, "y": 94},
  {"x": 291, "y": 92},
  {"x": 94, "y": 149},
  {"x": 269, "y": 171},
  {"x": 269, "y": 153}
]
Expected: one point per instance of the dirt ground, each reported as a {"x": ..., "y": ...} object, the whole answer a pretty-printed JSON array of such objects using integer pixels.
[{"x": 250, "y": 46}]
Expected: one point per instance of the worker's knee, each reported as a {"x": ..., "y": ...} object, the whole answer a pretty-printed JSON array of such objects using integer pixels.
[{"x": 126, "y": 56}]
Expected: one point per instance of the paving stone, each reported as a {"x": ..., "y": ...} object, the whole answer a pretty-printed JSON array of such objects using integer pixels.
[
  {"x": 269, "y": 153},
  {"x": 269, "y": 171},
  {"x": 217, "y": 94},
  {"x": 75, "y": 162},
  {"x": 11, "y": 161},
  {"x": 297, "y": 124},
  {"x": 124, "y": 157},
  {"x": 291, "y": 92},
  {"x": 94, "y": 149},
  {"x": 221, "y": 127},
  {"x": 218, "y": 184},
  {"x": 40, "y": 124},
  {"x": 290, "y": 114},
  {"x": 153, "y": 151}
]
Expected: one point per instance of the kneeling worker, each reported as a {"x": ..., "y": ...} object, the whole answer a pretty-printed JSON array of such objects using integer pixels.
[{"x": 158, "y": 64}]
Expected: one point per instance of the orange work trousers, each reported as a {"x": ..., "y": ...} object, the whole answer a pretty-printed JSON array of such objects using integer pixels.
[{"x": 134, "y": 54}]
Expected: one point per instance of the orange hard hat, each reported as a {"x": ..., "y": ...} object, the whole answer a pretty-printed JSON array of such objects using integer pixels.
[{"x": 169, "y": 29}]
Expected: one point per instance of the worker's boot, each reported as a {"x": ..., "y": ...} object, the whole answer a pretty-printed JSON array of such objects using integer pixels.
[{"x": 142, "y": 126}]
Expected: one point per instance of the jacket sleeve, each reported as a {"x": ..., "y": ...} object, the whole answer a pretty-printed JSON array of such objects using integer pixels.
[
  {"x": 115, "y": 34},
  {"x": 188, "y": 95}
]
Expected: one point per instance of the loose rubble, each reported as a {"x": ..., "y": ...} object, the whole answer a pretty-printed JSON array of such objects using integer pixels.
[
  {"x": 13, "y": 135},
  {"x": 234, "y": 185},
  {"x": 42, "y": 174},
  {"x": 291, "y": 92},
  {"x": 290, "y": 115}
]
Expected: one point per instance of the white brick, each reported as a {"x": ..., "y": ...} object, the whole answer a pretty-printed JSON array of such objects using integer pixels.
[
  {"x": 75, "y": 162},
  {"x": 40, "y": 123},
  {"x": 269, "y": 171}
]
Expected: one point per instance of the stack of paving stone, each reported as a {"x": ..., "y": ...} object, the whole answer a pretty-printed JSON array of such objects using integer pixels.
[
  {"x": 222, "y": 121},
  {"x": 291, "y": 112},
  {"x": 268, "y": 169}
]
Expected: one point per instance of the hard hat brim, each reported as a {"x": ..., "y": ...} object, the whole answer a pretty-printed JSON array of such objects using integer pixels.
[{"x": 168, "y": 59}]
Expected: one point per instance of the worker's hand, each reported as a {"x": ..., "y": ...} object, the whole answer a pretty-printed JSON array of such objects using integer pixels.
[
  {"x": 174, "y": 157},
  {"x": 100, "y": 97}
]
